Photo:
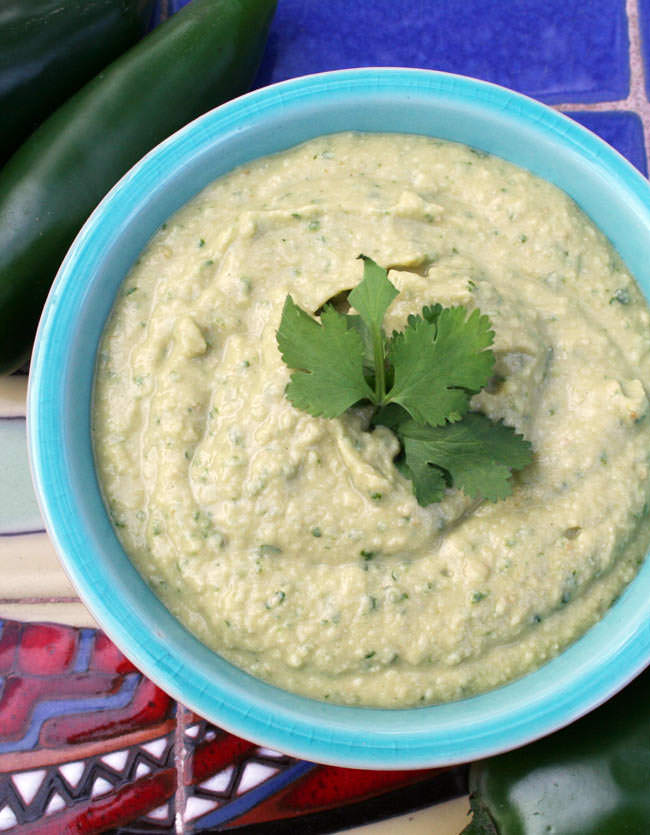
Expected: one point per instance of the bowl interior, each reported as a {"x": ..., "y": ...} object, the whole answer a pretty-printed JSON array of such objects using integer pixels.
[{"x": 412, "y": 101}]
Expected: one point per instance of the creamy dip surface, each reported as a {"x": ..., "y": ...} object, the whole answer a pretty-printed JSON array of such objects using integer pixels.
[{"x": 292, "y": 545}]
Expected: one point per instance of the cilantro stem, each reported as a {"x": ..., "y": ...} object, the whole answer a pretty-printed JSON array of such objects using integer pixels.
[{"x": 380, "y": 366}]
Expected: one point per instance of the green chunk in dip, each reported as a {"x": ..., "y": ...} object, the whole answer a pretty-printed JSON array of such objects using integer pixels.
[{"x": 292, "y": 545}]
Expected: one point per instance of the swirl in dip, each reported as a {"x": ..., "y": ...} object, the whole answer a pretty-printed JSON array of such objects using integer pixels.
[{"x": 292, "y": 545}]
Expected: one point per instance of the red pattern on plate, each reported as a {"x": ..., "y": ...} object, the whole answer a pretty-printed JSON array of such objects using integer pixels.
[
  {"x": 87, "y": 743},
  {"x": 214, "y": 755},
  {"x": 330, "y": 786},
  {"x": 107, "y": 658},
  {"x": 46, "y": 650}
]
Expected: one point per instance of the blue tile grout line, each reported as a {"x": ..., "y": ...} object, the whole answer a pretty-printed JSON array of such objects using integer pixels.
[
  {"x": 181, "y": 761},
  {"x": 636, "y": 102}
]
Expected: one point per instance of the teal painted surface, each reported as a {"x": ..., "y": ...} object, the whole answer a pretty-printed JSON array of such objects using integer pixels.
[{"x": 18, "y": 507}]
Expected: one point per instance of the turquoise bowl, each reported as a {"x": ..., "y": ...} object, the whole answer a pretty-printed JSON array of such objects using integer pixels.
[{"x": 452, "y": 107}]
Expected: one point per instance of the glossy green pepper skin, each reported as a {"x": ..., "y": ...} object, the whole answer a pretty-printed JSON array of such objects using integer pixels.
[
  {"x": 592, "y": 778},
  {"x": 50, "y": 48},
  {"x": 205, "y": 54}
]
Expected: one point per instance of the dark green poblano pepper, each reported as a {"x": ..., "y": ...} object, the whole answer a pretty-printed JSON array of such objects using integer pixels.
[
  {"x": 50, "y": 48},
  {"x": 206, "y": 53},
  {"x": 592, "y": 778}
]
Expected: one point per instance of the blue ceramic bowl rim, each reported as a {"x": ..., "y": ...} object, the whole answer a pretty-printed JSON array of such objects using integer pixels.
[{"x": 59, "y": 400}]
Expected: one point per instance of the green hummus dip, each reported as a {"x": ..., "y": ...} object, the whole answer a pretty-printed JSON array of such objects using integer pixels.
[{"x": 292, "y": 545}]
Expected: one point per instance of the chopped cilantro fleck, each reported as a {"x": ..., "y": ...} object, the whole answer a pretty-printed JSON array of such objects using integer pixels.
[
  {"x": 621, "y": 295},
  {"x": 265, "y": 550}
]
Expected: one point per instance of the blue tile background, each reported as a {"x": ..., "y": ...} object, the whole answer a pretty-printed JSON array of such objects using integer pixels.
[
  {"x": 621, "y": 129},
  {"x": 555, "y": 50}
]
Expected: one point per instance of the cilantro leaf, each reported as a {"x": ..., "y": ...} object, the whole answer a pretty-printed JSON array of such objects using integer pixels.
[
  {"x": 420, "y": 383},
  {"x": 327, "y": 358},
  {"x": 479, "y": 454},
  {"x": 373, "y": 295},
  {"x": 439, "y": 362},
  {"x": 432, "y": 313},
  {"x": 371, "y": 298},
  {"x": 391, "y": 416},
  {"x": 429, "y": 482},
  {"x": 358, "y": 324}
]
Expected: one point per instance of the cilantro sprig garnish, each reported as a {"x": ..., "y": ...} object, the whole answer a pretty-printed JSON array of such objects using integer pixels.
[{"x": 420, "y": 381}]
